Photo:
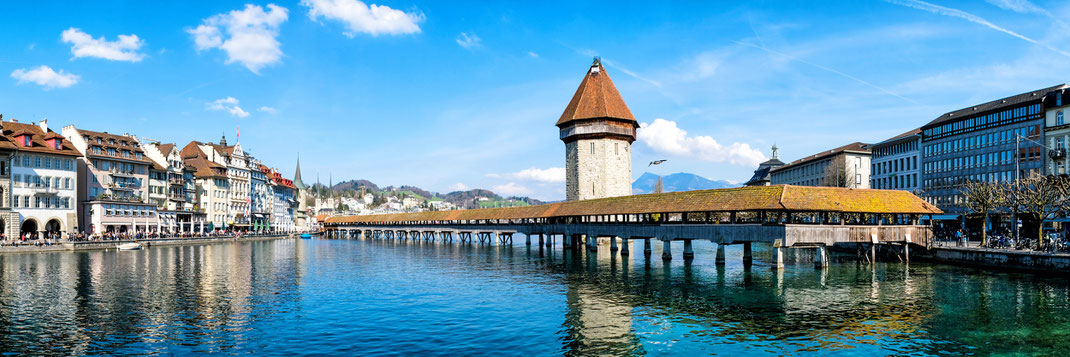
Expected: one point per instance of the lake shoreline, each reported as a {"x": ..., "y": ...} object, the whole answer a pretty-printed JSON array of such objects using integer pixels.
[{"x": 112, "y": 244}]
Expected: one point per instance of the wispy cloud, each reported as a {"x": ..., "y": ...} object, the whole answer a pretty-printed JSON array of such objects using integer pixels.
[
  {"x": 45, "y": 77},
  {"x": 469, "y": 41},
  {"x": 268, "y": 110},
  {"x": 361, "y": 18},
  {"x": 84, "y": 45},
  {"x": 458, "y": 187},
  {"x": 815, "y": 65},
  {"x": 947, "y": 11},
  {"x": 553, "y": 174},
  {"x": 229, "y": 105}
]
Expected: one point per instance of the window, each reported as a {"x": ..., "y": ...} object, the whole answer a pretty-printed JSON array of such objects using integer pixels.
[
  {"x": 37, "y": 161},
  {"x": 592, "y": 148},
  {"x": 1059, "y": 118}
]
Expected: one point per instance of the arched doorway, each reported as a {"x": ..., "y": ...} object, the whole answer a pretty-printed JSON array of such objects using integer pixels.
[
  {"x": 29, "y": 228},
  {"x": 122, "y": 229},
  {"x": 53, "y": 226}
]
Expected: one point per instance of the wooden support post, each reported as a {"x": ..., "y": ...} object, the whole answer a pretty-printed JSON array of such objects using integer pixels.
[
  {"x": 666, "y": 250},
  {"x": 624, "y": 243},
  {"x": 719, "y": 260},
  {"x": 748, "y": 255},
  {"x": 646, "y": 247},
  {"x": 821, "y": 257},
  {"x": 613, "y": 243},
  {"x": 592, "y": 243},
  {"x": 778, "y": 257},
  {"x": 689, "y": 253}
]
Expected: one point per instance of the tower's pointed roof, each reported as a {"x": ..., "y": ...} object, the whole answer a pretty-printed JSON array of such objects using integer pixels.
[
  {"x": 596, "y": 98},
  {"x": 297, "y": 176}
]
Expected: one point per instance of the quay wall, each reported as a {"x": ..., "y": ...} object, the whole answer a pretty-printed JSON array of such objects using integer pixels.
[
  {"x": 1000, "y": 259},
  {"x": 104, "y": 245}
]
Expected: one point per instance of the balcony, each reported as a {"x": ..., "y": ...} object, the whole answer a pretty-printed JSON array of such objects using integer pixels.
[
  {"x": 45, "y": 190},
  {"x": 1057, "y": 153},
  {"x": 176, "y": 181},
  {"x": 124, "y": 186}
]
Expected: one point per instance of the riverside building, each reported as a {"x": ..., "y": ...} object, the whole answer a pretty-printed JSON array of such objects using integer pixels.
[
  {"x": 761, "y": 175},
  {"x": 982, "y": 143},
  {"x": 115, "y": 175},
  {"x": 179, "y": 211},
  {"x": 44, "y": 181},
  {"x": 1056, "y": 131},
  {"x": 845, "y": 166},
  {"x": 895, "y": 163}
]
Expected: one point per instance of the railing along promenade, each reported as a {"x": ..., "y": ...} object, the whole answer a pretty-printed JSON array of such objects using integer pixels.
[{"x": 787, "y": 217}]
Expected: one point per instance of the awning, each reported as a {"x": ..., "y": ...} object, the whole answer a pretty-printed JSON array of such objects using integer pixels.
[{"x": 1060, "y": 219}]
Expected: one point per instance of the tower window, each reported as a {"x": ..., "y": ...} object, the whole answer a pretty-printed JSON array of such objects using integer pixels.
[
  {"x": 592, "y": 148},
  {"x": 616, "y": 148}
]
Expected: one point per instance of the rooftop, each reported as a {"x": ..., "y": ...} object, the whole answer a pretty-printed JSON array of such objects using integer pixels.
[
  {"x": 125, "y": 147},
  {"x": 855, "y": 147},
  {"x": 596, "y": 98},
  {"x": 1013, "y": 100},
  {"x": 765, "y": 198}
]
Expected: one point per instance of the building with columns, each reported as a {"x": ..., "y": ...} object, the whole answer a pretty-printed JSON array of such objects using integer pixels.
[
  {"x": 43, "y": 181},
  {"x": 598, "y": 130}
]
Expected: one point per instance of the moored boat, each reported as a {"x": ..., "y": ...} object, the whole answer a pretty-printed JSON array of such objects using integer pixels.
[{"x": 129, "y": 246}]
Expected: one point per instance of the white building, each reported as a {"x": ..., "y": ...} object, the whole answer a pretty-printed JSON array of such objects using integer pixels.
[
  {"x": 845, "y": 166},
  {"x": 44, "y": 176},
  {"x": 115, "y": 172}
]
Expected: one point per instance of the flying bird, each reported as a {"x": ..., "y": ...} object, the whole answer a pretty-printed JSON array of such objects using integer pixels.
[{"x": 658, "y": 162}]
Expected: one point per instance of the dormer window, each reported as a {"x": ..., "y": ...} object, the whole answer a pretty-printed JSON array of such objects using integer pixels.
[
  {"x": 100, "y": 141},
  {"x": 27, "y": 141}
]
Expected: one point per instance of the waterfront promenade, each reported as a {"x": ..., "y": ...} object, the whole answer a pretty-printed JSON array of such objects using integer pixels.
[{"x": 98, "y": 244}]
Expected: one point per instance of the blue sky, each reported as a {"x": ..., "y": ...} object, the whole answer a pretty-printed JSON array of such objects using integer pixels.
[{"x": 448, "y": 95}]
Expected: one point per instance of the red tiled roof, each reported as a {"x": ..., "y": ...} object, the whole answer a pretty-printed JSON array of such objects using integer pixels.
[
  {"x": 596, "y": 98},
  {"x": 121, "y": 143},
  {"x": 37, "y": 141}
]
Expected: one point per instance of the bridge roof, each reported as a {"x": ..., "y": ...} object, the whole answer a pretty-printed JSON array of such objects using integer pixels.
[{"x": 767, "y": 198}]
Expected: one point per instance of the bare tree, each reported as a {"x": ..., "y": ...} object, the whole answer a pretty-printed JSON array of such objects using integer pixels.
[
  {"x": 982, "y": 197},
  {"x": 838, "y": 174},
  {"x": 659, "y": 187},
  {"x": 1041, "y": 197}
]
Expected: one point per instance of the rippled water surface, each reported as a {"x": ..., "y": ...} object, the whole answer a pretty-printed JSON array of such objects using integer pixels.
[{"x": 291, "y": 297}]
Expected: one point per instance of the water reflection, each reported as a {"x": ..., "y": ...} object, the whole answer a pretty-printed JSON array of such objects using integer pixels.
[{"x": 389, "y": 297}]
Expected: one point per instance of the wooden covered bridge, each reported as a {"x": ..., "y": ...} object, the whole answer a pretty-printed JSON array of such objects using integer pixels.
[{"x": 782, "y": 215}]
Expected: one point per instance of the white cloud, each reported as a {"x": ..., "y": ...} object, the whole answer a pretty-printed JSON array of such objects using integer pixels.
[
  {"x": 268, "y": 110},
  {"x": 45, "y": 76},
  {"x": 533, "y": 54},
  {"x": 553, "y": 174},
  {"x": 84, "y": 45},
  {"x": 469, "y": 41},
  {"x": 458, "y": 187},
  {"x": 361, "y": 18},
  {"x": 229, "y": 105},
  {"x": 1019, "y": 6},
  {"x": 511, "y": 189},
  {"x": 248, "y": 36},
  {"x": 947, "y": 11},
  {"x": 663, "y": 136}
]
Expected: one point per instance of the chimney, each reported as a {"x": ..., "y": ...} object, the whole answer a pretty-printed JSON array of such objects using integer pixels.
[{"x": 44, "y": 125}]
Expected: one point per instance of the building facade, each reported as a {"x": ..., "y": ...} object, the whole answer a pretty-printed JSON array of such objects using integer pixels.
[
  {"x": 895, "y": 163},
  {"x": 982, "y": 143},
  {"x": 1056, "y": 132},
  {"x": 115, "y": 172},
  {"x": 177, "y": 202},
  {"x": 43, "y": 182},
  {"x": 598, "y": 129},
  {"x": 845, "y": 166}
]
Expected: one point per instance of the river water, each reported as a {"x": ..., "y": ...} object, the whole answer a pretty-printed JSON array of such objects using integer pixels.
[{"x": 327, "y": 297}]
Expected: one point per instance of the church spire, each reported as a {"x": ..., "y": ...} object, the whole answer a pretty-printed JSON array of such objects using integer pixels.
[{"x": 297, "y": 176}]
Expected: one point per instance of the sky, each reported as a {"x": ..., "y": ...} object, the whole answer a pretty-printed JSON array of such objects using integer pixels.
[{"x": 457, "y": 95}]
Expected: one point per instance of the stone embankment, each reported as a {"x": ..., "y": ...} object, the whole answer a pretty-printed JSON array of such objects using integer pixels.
[{"x": 1009, "y": 259}]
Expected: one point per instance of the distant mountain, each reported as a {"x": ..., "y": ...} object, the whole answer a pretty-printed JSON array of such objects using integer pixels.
[
  {"x": 681, "y": 181},
  {"x": 355, "y": 185}
]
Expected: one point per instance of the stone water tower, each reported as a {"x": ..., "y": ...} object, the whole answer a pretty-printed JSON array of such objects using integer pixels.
[{"x": 598, "y": 131}]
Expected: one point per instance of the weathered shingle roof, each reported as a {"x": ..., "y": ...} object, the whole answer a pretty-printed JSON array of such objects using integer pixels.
[
  {"x": 596, "y": 98},
  {"x": 768, "y": 198}
]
